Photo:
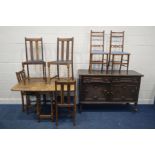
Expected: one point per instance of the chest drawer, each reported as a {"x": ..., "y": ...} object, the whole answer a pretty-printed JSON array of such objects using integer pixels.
[
  {"x": 125, "y": 79},
  {"x": 96, "y": 79}
]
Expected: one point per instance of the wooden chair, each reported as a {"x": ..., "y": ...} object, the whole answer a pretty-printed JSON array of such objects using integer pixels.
[
  {"x": 34, "y": 54},
  {"x": 117, "y": 50},
  {"x": 97, "y": 48},
  {"x": 21, "y": 78},
  {"x": 64, "y": 56},
  {"x": 65, "y": 97}
]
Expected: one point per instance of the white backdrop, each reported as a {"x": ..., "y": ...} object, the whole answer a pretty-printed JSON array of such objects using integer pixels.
[{"x": 139, "y": 41}]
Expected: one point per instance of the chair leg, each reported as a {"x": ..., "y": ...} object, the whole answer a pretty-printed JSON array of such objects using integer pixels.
[
  {"x": 58, "y": 70},
  {"x": 90, "y": 63},
  {"x": 38, "y": 106},
  {"x": 102, "y": 62},
  {"x": 74, "y": 111},
  {"x": 121, "y": 63},
  {"x": 39, "y": 110},
  {"x": 28, "y": 73},
  {"x": 113, "y": 57},
  {"x": 44, "y": 72},
  {"x": 72, "y": 71},
  {"x": 23, "y": 106},
  {"x": 108, "y": 61},
  {"x": 68, "y": 70},
  {"x": 128, "y": 62},
  {"x": 56, "y": 115},
  {"x": 27, "y": 103},
  {"x": 52, "y": 108},
  {"x": 90, "y": 67},
  {"x": 49, "y": 73},
  {"x": 52, "y": 114}
]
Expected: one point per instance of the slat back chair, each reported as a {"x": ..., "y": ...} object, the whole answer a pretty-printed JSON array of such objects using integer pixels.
[
  {"x": 21, "y": 78},
  {"x": 97, "y": 48},
  {"x": 65, "y": 97},
  {"x": 117, "y": 49},
  {"x": 34, "y": 54},
  {"x": 64, "y": 56}
]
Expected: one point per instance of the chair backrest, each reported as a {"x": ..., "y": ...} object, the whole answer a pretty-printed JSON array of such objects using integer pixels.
[
  {"x": 116, "y": 41},
  {"x": 21, "y": 76},
  {"x": 34, "y": 49},
  {"x": 96, "y": 41},
  {"x": 65, "y": 49},
  {"x": 65, "y": 90}
]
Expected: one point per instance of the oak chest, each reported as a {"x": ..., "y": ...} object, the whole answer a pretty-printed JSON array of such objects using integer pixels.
[{"x": 98, "y": 87}]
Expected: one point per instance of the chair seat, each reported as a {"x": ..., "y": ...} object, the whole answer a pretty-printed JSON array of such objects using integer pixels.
[
  {"x": 34, "y": 62},
  {"x": 61, "y": 62},
  {"x": 120, "y": 53},
  {"x": 99, "y": 52}
]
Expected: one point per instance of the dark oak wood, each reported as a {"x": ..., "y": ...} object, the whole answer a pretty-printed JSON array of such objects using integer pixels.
[
  {"x": 64, "y": 56},
  {"x": 116, "y": 50},
  {"x": 110, "y": 87},
  {"x": 97, "y": 49},
  {"x": 34, "y": 54},
  {"x": 65, "y": 97}
]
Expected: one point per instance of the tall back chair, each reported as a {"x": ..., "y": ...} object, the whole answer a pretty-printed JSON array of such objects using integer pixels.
[
  {"x": 97, "y": 48},
  {"x": 64, "y": 56},
  {"x": 65, "y": 97},
  {"x": 34, "y": 54},
  {"x": 117, "y": 50}
]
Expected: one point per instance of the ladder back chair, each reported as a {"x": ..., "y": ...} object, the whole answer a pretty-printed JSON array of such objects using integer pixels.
[
  {"x": 21, "y": 78},
  {"x": 97, "y": 48},
  {"x": 117, "y": 50},
  {"x": 65, "y": 97},
  {"x": 64, "y": 56},
  {"x": 34, "y": 54}
]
